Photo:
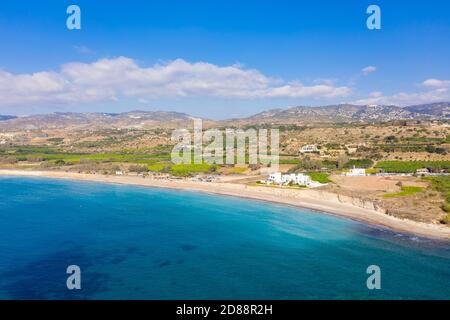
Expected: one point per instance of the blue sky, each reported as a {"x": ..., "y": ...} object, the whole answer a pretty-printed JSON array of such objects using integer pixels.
[{"x": 220, "y": 59}]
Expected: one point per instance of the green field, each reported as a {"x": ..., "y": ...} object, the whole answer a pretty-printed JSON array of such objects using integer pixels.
[
  {"x": 411, "y": 166},
  {"x": 155, "y": 160},
  {"x": 289, "y": 161},
  {"x": 188, "y": 169},
  {"x": 182, "y": 170},
  {"x": 406, "y": 191},
  {"x": 321, "y": 177},
  {"x": 35, "y": 154}
]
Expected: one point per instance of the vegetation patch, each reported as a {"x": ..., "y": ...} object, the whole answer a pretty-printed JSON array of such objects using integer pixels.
[
  {"x": 372, "y": 171},
  {"x": 184, "y": 170},
  {"x": 406, "y": 191},
  {"x": 237, "y": 170},
  {"x": 321, "y": 177},
  {"x": 412, "y": 166},
  {"x": 159, "y": 167},
  {"x": 36, "y": 154},
  {"x": 289, "y": 161},
  {"x": 442, "y": 185},
  {"x": 359, "y": 163}
]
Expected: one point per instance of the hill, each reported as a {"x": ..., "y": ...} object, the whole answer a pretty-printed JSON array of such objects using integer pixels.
[
  {"x": 347, "y": 113},
  {"x": 342, "y": 113}
]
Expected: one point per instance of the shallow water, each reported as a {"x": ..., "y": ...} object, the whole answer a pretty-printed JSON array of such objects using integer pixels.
[{"x": 142, "y": 243}]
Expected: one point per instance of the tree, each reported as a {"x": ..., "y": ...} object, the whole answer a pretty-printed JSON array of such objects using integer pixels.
[
  {"x": 430, "y": 149},
  {"x": 60, "y": 162},
  {"x": 391, "y": 139},
  {"x": 342, "y": 161}
]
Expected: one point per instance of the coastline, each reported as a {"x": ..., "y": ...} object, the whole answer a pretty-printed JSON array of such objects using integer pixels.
[{"x": 309, "y": 199}]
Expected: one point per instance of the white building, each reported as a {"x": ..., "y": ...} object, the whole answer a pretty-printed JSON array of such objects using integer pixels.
[
  {"x": 422, "y": 171},
  {"x": 279, "y": 178},
  {"x": 356, "y": 172},
  {"x": 309, "y": 148},
  {"x": 275, "y": 178}
]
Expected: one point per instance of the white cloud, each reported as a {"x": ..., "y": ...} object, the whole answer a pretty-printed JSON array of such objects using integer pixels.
[
  {"x": 143, "y": 101},
  {"x": 437, "y": 91},
  {"x": 111, "y": 79},
  {"x": 325, "y": 81},
  {"x": 368, "y": 69},
  {"x": 83, "y": 50},
  {"x": 435, "y": 83},
  {"x": 407, "y": 98}
]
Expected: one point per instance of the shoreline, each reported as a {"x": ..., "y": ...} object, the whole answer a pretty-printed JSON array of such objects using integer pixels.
[{"x": 314, "y": 200}]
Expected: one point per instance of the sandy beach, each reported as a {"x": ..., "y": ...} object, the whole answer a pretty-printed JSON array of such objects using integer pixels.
[{"x": 310, "y": 199}]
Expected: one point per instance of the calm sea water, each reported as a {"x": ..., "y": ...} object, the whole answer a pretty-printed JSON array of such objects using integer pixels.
[{"x": 140, "y": 243}]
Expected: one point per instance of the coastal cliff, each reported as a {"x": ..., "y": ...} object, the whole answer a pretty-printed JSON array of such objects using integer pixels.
[{"x": 364, "y": 203}]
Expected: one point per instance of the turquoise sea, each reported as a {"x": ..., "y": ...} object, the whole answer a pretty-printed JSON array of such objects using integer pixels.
[{"x": 142, "y": 243}]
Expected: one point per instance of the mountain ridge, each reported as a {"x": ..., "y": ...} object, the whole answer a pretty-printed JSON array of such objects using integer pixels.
[
  {"x": 6, "y": 117},
  {"x": 357, "y": 113},
  {"x": 339, "y": 113}
]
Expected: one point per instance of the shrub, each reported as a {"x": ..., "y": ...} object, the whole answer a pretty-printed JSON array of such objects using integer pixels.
[
  {"x": 60, "y": 162},
  {"x": 359, "y": 163},
  {"x": 446, "y": 219},
  {"x": 138, "y": 168},
  {"x": 446, "y": 207},
  {"x": 159, "y": 167}
]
